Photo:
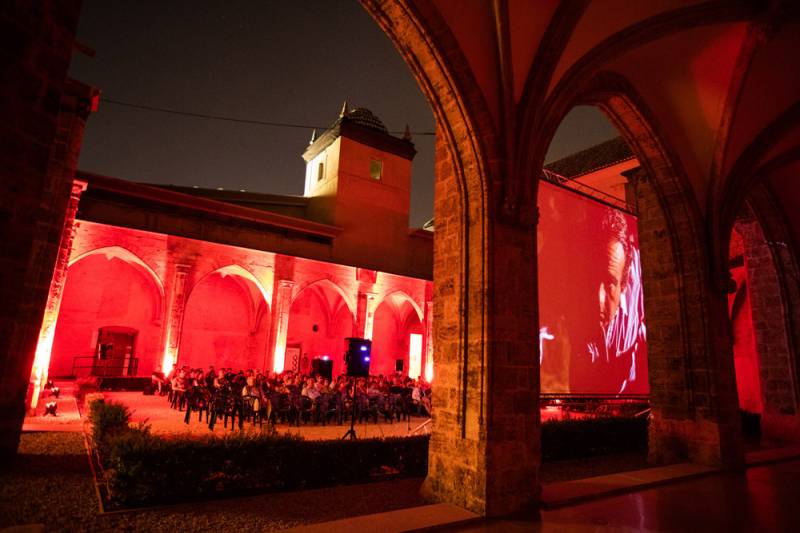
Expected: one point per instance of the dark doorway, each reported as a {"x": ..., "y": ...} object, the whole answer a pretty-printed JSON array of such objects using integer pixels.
[{"x": 114, "y": 355}]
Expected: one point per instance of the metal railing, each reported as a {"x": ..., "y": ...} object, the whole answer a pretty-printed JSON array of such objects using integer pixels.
[
  {"x": 106, "y": 368},
  {"x": 586, "y": 190}
]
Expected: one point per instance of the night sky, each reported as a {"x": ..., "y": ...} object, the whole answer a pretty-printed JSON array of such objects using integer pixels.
[{"x": 276, "y": 61}]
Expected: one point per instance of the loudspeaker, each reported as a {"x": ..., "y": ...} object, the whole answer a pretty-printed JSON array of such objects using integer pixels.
[
  {"x": 398, "y": 365},
  {"x": 322, "y": 367},
  {"x": 357, "y": 357}
]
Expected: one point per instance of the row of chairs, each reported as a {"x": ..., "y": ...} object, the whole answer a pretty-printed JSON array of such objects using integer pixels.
[{"x": 288, "y": 408}]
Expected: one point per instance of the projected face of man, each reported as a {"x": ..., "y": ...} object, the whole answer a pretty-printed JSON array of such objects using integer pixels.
[{"x": 610, "y": 285}]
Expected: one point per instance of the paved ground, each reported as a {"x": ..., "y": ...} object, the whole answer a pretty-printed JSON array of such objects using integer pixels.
[
  {"x": 761, "y": 499},
  {"x": 67, "y": 416}
]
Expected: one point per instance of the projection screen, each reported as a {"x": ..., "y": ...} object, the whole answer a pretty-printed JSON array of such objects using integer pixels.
[{"x": 592, "y": 336}]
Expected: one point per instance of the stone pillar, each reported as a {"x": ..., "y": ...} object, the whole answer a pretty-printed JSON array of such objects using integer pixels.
[
  {"x": 41, "y": 362},
  {"x": 694, "y": 407},
  {"x": 369, "y": 314},
  {"x": 40, "y": 133},
  {"x": 484, "y": 448},
  {"x": 365, "y": 315},
  {"x": 282, "y": 303},
  {"x": 175, "y": 311}
]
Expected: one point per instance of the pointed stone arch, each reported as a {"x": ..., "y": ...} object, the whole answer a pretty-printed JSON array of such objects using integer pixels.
[
  {"x": 231, "y": 345},
  {"x": 126, "y": 255},
  {"x": 327, "y": 283}
]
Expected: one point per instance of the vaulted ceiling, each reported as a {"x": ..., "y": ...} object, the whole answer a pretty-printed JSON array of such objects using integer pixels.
[{"x": 720, "y": 79}]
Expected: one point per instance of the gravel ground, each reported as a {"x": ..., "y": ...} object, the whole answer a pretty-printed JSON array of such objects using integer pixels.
[{"x": 50, "y": 483}]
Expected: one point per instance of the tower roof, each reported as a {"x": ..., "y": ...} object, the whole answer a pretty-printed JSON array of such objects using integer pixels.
[
  {"x": 361, "y": 124},
  {"x": 364, "y": 117}
]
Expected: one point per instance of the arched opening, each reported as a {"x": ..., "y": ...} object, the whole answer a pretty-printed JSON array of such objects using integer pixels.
[
  {"x": 113, "y": 298},
  {"x": 591, "y": 304},
  {"x": 762, "y": 266},
  {"x": 397, "y": 337},
  {"x": 687, "y": 361},
  {"x": 319, "y": 321},
  {"x": 236, "y": 338}
]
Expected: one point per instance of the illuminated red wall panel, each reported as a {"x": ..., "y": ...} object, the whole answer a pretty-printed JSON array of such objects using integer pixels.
[
  {"x": 390, "y": 339},
  {"x": 319, "y": 321},
  {"x": 745, "y": 355},
  {"x": 209, "y": 303},
  {"x": 591, "y": 307},
  {"x": 225, "y": 324},
  {"x": 99, "y": 293}
]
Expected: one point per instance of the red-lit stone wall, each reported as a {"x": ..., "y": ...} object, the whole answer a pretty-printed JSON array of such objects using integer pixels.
[
  {"x": 217, "y": 304},
  {"x": 225, "y": 323},
  {"x": 105, "y": 292},
  {"x": 745, "y": 356}
]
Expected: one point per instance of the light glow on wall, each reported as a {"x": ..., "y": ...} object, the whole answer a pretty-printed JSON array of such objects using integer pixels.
[
  {"x": 429, "y": 368},
  {"x": 414, "y": 355},
  {"x": 280, "y": 355},
  {"x": 41, "y": 361},
  {"x": 170, "y": 358}
]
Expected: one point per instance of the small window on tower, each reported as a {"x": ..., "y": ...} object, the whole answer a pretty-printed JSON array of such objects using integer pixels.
[
  {"x": 320, "y": 171},
  {"x": 375, "y": 168}
]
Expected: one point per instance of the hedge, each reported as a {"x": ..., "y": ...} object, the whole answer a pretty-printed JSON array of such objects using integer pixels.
[{"x": 142, "y": 468}]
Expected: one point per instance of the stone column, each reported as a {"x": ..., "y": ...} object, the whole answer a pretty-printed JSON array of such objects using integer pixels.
[
  {"x": 175, "y": 312},
  {"x": 42, "y": 129},
  {"x": 282, "y": 303},
  {"x": 41, "y": 362},
  {"x": 484, "y": 448},
  {"x": 365, "y": 315}
]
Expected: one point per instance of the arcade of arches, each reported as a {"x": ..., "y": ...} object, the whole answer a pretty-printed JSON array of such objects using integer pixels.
[
  {"x": 175, "y": 300},
  {"x": 704, "y": 92}
]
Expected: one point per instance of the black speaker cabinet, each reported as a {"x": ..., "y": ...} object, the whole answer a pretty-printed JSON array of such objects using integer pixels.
[{"x": 358, "y": 356}]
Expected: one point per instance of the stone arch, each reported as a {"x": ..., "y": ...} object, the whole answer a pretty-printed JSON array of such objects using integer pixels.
[
  {"x": 238, "y": 270},
  {"x": 129, "y": 257},
  {"x": 689, "y": 360},
  {"x": 320, "y": 318},
  {"x": 126, "y": 298},
  {"x": 748, "y": 170},
  {"x": 208, "y": 338},
  {"x": 396, "y": 317},
  {"x": 325, "y": 282},
  {"x": 471, "y": 279},
  {"x": 405, "y": 296},
  {"x": 774, "y": 278}
]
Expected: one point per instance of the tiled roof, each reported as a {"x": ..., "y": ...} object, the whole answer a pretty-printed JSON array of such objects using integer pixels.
[
  {"x": 365, "y": 117},
  {"x": 599, "y": 156}
]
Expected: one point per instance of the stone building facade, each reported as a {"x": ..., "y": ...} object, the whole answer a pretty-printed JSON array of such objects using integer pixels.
[{"x": 149, "y": 277}]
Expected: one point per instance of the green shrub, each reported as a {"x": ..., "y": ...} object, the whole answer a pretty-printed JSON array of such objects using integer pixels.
[
  {"x": 572, "y": 439},
  {"x": 142, "y": 468},
  {"x": 108, "y": 419}
]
